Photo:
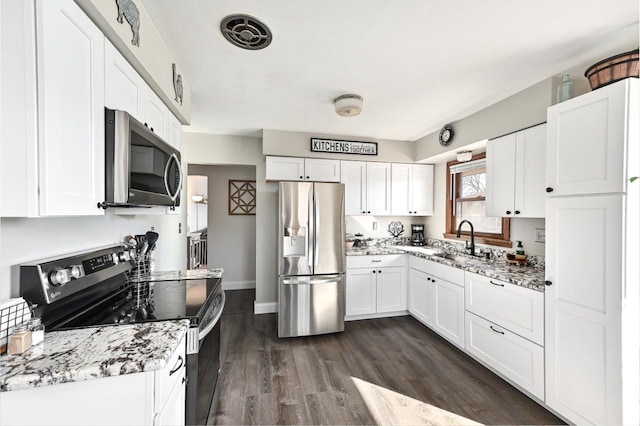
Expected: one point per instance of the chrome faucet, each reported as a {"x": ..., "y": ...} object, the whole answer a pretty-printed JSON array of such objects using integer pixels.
[{"x": 468, "y": 246}]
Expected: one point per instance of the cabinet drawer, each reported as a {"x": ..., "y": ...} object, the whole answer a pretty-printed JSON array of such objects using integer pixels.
[
  {"x": 173, "y": 374},
  {"x": 381, "y": 261},
  {"x": 448, "y": 273},
  {"x": 518, "y": 359},
  {"x": 518, "y": 309}
]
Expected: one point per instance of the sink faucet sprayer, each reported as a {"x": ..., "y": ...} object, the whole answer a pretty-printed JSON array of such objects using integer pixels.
[{"x": 468, "y": 246}]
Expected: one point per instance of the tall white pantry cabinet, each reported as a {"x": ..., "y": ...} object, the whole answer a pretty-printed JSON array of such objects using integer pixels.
[{"x": 592, "y": 350}]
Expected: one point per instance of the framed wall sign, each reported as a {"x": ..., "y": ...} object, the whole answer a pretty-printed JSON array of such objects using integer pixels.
[{"x": 344, "y": 147}]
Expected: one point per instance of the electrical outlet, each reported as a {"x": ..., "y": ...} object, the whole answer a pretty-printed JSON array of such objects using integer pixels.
[
  {"x": 540, "y": 235},
  {"x": 375, "y": 226}
]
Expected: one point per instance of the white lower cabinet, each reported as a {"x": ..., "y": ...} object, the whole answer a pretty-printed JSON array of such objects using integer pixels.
[
  {"x": 436, "y": 298},
  {"x": 376, "y": 285},
  {"x": 519, "y": 359},
  {"x": 153, "y": 398},
  {"x": 518, "y": 309}
]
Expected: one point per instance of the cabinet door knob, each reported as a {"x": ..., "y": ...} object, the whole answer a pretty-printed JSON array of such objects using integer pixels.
[
  {"x": 374, "y": 271},
  {"x": 368, "y": 212},
  {"x": 301, "y": 177},
  {"x": 517, "y": 212},
  {"x": 428, "y": 279},
  {"x": 548, "y": 283},
  {"x": 307, "y": 177},
  {"x": 508, "y": 211},
  {"x": 379, "y": 271},
  {"x": 363, "y": 212},
  {"x": 549, "y": 189}
]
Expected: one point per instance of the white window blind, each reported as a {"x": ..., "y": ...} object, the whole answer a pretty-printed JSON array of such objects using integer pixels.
[{"x": 469, "y": 165}]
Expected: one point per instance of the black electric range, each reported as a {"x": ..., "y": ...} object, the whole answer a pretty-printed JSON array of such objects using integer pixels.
[{"x": 104, "y": 287}]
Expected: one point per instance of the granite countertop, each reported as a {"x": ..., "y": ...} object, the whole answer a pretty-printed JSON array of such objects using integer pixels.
[
  {"x": 92, "y": 353},
  {"x": 191, "y": 274},
  {"x": 523, "y": 276}
]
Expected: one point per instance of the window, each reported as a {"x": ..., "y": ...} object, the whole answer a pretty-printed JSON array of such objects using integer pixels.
[{"x": 466, "y": 183}]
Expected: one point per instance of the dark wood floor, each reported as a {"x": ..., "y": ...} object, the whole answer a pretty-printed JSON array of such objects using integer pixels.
[{"x": 383, "y": 371}]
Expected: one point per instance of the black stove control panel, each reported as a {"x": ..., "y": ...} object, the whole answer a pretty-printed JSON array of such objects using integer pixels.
[
  {"x": 99, "y": 263},
  {"x": 49, "y": 280}
]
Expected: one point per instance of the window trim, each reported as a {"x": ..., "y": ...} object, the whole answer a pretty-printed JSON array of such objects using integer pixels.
[{"x": 500, "y": 240}]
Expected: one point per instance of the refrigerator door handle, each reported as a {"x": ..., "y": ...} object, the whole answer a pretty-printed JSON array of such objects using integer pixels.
[
  {"x": 312, "y": 282},
  {"x": 316, "y": 241},
  {"x": 311, "y": 237}
]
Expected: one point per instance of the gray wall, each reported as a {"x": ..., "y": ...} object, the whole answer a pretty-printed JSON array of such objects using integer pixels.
[
  {"x": 24, "y": 239},
  {"x": 207, "y": 149},
  {"x": 297, "y": 144},
  {"x": 231, "y": 238}
]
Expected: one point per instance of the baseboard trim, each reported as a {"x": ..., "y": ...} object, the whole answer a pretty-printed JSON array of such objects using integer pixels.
[
  {"x": 373, "y": 316},
  {"x": 265, "y": 308},
  {"x": 238, "y": 285}
]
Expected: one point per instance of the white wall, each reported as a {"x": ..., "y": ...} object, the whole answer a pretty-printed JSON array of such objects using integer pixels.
[
  {"x": 196, "y": 212},
  {"x": 231, "y": 240},
  {"x": 365, "y": 224},
  {"x": 23, "y": 240},
  {"x": 199, "y": 148}
]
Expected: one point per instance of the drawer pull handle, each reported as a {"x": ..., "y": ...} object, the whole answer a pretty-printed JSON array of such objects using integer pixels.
[
  {"x": 376, "y": 261},
  {"x": 497, "y": 331},
  {"x": 179, "y": 365},
  {"x": 498, "y": 284}
]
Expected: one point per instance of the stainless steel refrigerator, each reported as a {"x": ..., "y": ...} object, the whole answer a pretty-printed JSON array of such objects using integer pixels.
[{"x": 311, "y": 259}]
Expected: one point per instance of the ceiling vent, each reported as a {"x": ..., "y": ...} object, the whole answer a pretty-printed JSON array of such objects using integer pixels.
[{"x": 246, "y": 32}]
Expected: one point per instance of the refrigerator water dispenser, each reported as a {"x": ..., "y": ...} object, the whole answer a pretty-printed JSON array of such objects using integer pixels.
[{"x": 294, "y": 242}]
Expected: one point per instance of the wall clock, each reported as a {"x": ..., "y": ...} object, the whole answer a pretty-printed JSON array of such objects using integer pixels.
[{"x": 446, "y": 135}]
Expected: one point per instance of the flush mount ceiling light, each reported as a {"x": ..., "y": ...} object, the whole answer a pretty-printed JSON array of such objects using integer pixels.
[
  {"x": 348, "y": 105},
  {"x": 246, "y": 32},
  {"x": 464, "y": 156}
]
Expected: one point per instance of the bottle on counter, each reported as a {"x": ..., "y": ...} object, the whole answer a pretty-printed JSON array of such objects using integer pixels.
[
  {"x": 19, "y": 340},
  {"x": 37, "y": 330}
]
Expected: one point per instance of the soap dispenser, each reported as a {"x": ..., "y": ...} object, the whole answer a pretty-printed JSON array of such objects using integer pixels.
[{"x": 519, "y": 248}]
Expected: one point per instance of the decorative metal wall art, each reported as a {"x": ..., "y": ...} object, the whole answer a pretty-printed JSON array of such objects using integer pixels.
[
  {"x": 177, "y": 84},
  {"x": 129, "y": 11},
  {"x": 242, "y": 197}
]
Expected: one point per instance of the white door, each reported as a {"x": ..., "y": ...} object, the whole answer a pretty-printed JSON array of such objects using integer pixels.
[
  {"x": 354, "y": 176},
  {"x": 360, "y": 292},
  {"x": 586, "y": 137},
  {"x": 501, "y": 172},
  {"x": 173, "y": 412},
  {"x": 391, "y": 289},
  {"x": 321, "y": 170},
  {"x": 583, "y": 308},
  {"x": 448, "y": 315},
  {"x": 401, "y": 189},
  {"x": 379, "y": 188},
  {"x": 70, "y": 72},
  {"x": 154, "y": 114},
  {"x": 123, "y": 86},
  {"x": 531, "y": 145},
  {"x": 422, "y": 189},
  {"x": 284, "y": 168},
  {"x": 420, "y": 298}
]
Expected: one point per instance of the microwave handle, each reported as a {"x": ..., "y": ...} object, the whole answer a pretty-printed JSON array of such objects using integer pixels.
[{"x": 166, "y": 177}]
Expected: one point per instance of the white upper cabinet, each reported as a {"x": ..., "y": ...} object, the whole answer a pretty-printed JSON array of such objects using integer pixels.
[
  {"x": 154, "y": 113},
  {"x": 367, "y": 187},
  {"x": 516, "y": 174},
  {"x": 70, "y": 76},
  {"x": 123, "y": 85},
  {"x": 411, "y": 189},
  {"x": 586, "y": 141},
  {"x": 378, "y": 188},
  {"x": 302, "y": 169},
  {"x": 354, "y": 176}
]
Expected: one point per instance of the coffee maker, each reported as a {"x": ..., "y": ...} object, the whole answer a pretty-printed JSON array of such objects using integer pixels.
[{"x": 417, "y": 235}]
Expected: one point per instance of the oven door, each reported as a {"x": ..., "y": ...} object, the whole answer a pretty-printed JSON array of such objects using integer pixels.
[{"x": 203, "y": 367}]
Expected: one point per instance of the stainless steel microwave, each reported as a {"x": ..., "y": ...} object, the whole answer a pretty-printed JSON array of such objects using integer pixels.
[{"x": 141, "y": 169}]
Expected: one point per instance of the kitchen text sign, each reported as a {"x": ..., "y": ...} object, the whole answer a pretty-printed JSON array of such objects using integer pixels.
[{"x": 344, "y": 147}]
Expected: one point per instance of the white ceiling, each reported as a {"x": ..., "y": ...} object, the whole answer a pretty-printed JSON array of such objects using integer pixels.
[{"x": 419, "y": 64}]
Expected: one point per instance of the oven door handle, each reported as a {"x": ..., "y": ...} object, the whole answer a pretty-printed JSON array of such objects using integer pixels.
[{"x": 202, "y": 334}]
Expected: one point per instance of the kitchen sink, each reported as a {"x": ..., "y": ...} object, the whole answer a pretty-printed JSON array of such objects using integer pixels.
[{"x": 460, "y": 260}]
